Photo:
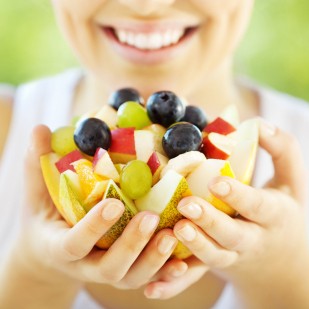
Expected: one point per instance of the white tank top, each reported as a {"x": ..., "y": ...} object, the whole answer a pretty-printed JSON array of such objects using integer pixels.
[{"x": 48, "y": 101}]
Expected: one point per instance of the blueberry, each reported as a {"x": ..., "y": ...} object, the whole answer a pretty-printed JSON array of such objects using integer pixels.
[
  {"x": 180, "y": 138},
  {"x": 123, "y": 95},
  {"x": 196, "y": 116},
  {"x": 165, "y": 108},
  {"x": 91, "y": 134}
]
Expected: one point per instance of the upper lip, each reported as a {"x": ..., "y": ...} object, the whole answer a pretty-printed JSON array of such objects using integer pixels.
[{"x": 149, "y": 26}]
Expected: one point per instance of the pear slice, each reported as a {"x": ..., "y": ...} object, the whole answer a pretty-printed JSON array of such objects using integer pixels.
[
  {"x": 163, "y": 199},
  {"x": 198, "y": 181},
  {"x": 243, "y": 155},
  {"x": 113, "y": 191},
  {"x": 231, "y": 115},
  {"x": 70, "y": 197},
  {"x": 184, "y": 163}
]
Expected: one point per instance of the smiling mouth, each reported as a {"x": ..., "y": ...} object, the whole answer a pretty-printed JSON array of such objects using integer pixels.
[{"x": 150, "y": 41}]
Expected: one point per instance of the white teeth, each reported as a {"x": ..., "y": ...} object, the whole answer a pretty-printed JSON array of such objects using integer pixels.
[{"x": 150, "y": 41}]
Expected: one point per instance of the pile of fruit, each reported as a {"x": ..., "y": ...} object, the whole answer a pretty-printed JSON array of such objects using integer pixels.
[{"x": 149, "y": 157}]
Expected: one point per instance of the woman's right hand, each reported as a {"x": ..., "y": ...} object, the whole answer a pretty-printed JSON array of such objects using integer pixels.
[{"x": 52, "y": 249}]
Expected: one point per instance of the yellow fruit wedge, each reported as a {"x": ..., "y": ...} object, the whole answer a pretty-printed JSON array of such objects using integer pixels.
[
  {"x": 95, "y": 195},
  {"x": 70, "y": 195},
  {"x": 51, "y": 177},
  {"x": 163, "y": 199},
  {"x": 198, "y": 182},
  {"x": 113, "y": 191},
  {"x": 87, "y": 177}
]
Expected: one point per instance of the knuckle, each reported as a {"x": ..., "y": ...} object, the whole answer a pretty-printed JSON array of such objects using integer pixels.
[
  {"x": 256, "y": 206},
  {"x": 234, "y": 243},
  {"x": 209, "y": 223},
  {"x": 220, "y": 261},
  {"x": 92, "y": 228},
  {"x": 134, "y": 285},
  {"x": 71, "y": 251},
  {"x": 110, "y": 276}
]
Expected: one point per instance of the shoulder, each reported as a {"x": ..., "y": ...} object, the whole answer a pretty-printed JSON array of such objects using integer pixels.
[
  {"x": 32, "y": 92},
  {"x": 273, "y": 101},
  {"x": 6, "y": 106},
  {"x": 284, "y": 110}
]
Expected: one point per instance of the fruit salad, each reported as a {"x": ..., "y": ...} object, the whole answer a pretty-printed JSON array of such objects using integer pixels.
[{"x": 148, "y": 156}]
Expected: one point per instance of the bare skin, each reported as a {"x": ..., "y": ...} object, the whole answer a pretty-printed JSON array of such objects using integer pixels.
[
  {"x": 5, "y": 118},
  {"x": 136, "y": 270}
]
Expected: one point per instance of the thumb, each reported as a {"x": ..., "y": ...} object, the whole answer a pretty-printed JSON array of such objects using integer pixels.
[
  {"x": 289, "y": 167},
  {"x": 35, "y": 188}
]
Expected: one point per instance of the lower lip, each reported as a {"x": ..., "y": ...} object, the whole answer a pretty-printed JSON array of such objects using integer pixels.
[{"x": 148, "y": 57}]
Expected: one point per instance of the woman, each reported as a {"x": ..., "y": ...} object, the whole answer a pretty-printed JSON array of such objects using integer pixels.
[{"x": 186, "y": 47}]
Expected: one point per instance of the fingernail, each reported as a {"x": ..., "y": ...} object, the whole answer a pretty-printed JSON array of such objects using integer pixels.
[
  {"x": 221, "y": 188},
  {"x": 187, "y": 233},
  {"x": 166, "y": 244},
  {"x": 148, "y": 224},
  {"x": 155, "y": 294},
  {"x": 111, "y": 211},
  {"x": 267, "y": 127},
  {"x": 191, "y": 210}
]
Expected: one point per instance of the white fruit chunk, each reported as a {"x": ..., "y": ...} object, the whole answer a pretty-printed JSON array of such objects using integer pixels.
[
  {"x": 108, "y": 115},
  {"x": 185, "y": 163},
  {"x": 144, "y": 144},
  {"x": 231, "y": 115},
  {"x": 199, "y": 179},
  {"x": 243, "y": 156},
  {"x": 104, "y": 166},
  {"x": 163, "y": 198}
]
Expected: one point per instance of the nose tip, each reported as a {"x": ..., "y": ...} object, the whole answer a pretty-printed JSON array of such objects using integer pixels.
[{"x": 147, "y": 7}]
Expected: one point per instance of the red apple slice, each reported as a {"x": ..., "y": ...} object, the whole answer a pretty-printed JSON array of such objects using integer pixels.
[
  {"x": 219, "y": 125},
  {"x": 103, "y": 165},
  {"x": 156, "y": 163},
  {"x": 65, "y": 162},
  {"x": 122, "y": 149},
  {"x": 217, "y": 146}
]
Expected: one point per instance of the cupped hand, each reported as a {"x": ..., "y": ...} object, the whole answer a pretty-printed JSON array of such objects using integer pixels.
[
  {"x": 52, "y": 249},
  {"x": 266, "y": 240}
]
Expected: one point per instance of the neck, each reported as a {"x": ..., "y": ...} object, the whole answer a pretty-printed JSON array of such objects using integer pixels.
[
  {"x": 221, "y": 90},
  {"x": 212, "y": 94}
]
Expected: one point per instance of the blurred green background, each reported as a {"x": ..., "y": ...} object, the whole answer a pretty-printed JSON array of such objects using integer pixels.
[{"x": 275, "y": 50}]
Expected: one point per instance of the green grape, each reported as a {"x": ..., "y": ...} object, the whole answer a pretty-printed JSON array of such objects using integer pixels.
[
  {"x": 135, "y": 179},
  {"x": 62, "y": 140},
  {"x": 132, "y": 114}
]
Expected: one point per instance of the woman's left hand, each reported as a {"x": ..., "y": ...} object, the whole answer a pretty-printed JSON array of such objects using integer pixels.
[{"x": 265, "y": 243}]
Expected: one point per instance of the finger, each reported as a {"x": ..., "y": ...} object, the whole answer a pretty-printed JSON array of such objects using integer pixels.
[
  {"x": 165, "y": 289},
  {"x": 257, "y": 205},
  {"x": 203, "y": 246},
  {"x": 171, "y": 270},
  {"x": 78, "y": 241},
  {"x": 117, "y": 260},
  {"x": 152, "y": 259},
  {"x": 39, "y": 145},
  {"x": 290, "y": 172},
  {"x": 230, "y": 233}
]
